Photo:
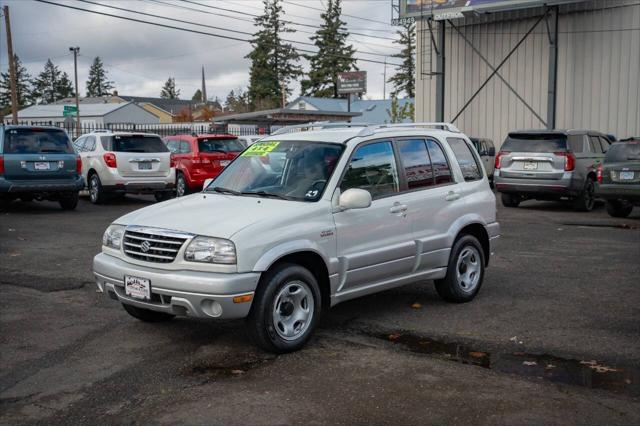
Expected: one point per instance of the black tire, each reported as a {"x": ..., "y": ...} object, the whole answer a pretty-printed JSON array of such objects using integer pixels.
[
  {"x": 586, "y": 201},
  {"x": 619, "y": 208},
  {"x": 510, "y": 200},
  {"x": 182, "y": 188},
  {"x": 147, "y": 315},
  {"x": 260, "y": 323},
  {"x": 451, "y": 288},
  {"x": 26, "y": 198},
  {"x": 69, "y": 201},
  {"x": 162, "y": 196},
  {"x": 96, "y": 192}
]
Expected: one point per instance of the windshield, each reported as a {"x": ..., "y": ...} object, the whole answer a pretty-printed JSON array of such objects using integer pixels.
[
  {"x": 35, "y": 141},
  {"x": 219, "y": 145},
  {"x": 535, "y": 143},
  {"x": 134, "y": 143},
  {"x": 623, "y": 151},
  {"x": 288, "y": 170}
]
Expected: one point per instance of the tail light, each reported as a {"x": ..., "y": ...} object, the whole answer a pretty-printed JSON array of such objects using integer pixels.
[
  {"x": 172, "y": 161},
  {"x": 78, "y": 164},
  {"x": 1, "y": 164},
  {"x": 499, "y": 159},
  {"x": 599, "y": 173},
  {"x": 110, "y": 160},
  {"x": 569, "y": 160}
]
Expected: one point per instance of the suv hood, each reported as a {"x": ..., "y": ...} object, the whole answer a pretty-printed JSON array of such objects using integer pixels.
[{"x": 213, "y": 215}]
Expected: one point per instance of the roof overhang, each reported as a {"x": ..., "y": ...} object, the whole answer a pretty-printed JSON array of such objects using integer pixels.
[{"x": 286, "y": 116}]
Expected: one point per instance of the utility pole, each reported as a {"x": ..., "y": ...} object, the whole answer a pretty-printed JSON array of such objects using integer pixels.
[
  {"x": 75, "y": 51},
  {"x": 12, "y": 68},
  {"x": 384, "y": 80}
]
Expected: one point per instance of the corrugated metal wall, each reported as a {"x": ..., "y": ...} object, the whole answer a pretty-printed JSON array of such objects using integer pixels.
[{"x": 598, "y": 70}]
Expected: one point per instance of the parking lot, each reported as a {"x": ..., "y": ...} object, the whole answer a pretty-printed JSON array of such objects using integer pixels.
[{"x": 553, "y": 337}]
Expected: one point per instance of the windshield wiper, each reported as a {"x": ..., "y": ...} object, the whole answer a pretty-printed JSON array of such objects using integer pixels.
[
  {"x": 52, "y": 150},
  {"x": 267, "y": 194},
  {"x": 225, "y": 190}
]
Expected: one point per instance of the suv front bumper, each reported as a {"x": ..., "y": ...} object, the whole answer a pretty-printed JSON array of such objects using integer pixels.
[{"x": 186, "y": 293}]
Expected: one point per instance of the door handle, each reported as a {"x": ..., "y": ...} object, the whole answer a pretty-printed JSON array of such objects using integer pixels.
[
  {"x": 398, "y": 208},
  {"x": 452, "y": 196}
]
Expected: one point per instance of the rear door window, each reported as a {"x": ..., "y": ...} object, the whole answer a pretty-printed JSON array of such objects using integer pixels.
[
  {"x": 219, "y": 145},
  {"x": 184, "y": 147},
  {"x": 79, "y": 144},
  {"x": 35, "y": 141},
  {"x": 415, "y": 161},
  {"x": 522, "y": 142},
  {"x": 604, "y": 142},
  {"x": 173, "y": 145},
  {"x": 137, "y": 143},
  {"x": 372, "y": 168},
  {"x": 594, "y": 144},
  {"x": 468, "y": 162},
  {"x": 90, "y": 143},
  {"x": 439, "y": 162}
]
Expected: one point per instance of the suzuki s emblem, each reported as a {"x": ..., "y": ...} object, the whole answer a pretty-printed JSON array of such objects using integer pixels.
[{"x": 145, "y": 246}]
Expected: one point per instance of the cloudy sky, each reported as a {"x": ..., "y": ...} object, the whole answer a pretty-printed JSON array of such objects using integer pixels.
[{"x": 139, "y": 57}]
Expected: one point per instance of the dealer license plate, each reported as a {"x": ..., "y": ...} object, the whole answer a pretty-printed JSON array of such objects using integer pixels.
[
  {"x": 138, "y": 288},
  {"x": 41, "y": 165},
  {"x": 224, "y": 163},
  {"x": 144, "y": 166},
  {"x": 626, "y": 175},
  {"x": 530, "y": 166}
]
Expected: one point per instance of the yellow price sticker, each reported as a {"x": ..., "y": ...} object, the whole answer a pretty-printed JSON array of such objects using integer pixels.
[{"x": 260, "y": 149}]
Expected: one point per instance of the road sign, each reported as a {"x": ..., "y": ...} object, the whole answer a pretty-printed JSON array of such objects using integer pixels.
[
  {"x": 69, "y": 111},
  {"x": 352, "y": 82}
]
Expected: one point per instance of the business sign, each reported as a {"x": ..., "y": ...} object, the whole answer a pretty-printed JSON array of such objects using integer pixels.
[
  {"x": 352, "y": 82},
  {"x": 69, "y": 111},
  {"x": 451, "y": 9}
]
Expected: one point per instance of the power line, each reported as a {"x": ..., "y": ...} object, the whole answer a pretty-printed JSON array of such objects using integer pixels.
[
  {"x": 157, "y": 24},
  {"x": 344, "y": 14},
  {"x": 208, "y": 26}
]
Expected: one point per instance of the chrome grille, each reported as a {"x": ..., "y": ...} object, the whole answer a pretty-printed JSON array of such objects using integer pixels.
[{"x": 152, "y": 246}]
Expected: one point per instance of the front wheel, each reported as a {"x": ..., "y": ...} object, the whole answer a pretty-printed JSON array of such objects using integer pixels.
[
  {"x": 285, "y": 310},
  {"x": 465, "y": 271},
  {"x": 69, "y": 201},
  {"x": 147, "y": 315},
  {"x": 619, "y": 208}
]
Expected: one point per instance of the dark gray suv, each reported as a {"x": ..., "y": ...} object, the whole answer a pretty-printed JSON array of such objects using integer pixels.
[
  {"x": 550, "y": 165},
  {"x": 39, "y": 163}
]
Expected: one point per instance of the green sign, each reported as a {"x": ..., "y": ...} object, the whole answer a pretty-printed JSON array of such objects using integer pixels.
[{"x": 69, "y": 111}]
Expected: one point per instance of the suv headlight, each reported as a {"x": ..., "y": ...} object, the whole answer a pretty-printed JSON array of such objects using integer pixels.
[
  {"x": 211, "y": 250},
  {"x": 112, "y": 237}
]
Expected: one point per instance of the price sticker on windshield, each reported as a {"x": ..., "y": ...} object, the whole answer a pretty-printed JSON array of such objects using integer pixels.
[{"x": 260, "y": 149}]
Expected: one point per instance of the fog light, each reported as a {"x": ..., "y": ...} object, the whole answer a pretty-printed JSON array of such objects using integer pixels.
[{"x": 211, "y": 308}]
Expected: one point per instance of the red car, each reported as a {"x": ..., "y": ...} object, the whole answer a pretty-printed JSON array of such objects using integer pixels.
[{"x": 200, "y": 157}]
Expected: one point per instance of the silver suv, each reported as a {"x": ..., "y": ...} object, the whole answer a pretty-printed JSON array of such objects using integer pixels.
[
  {"x": 550, "y": 165},
  {"x": 123, "y": 162},
  {"x": 350, "y": 211}
]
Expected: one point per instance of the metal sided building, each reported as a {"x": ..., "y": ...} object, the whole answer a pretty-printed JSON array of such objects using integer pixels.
[{"x": 492, "y": 66}]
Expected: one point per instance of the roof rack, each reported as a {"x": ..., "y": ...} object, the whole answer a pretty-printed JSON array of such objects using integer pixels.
[
  {"x": 438, "y": 125},
  {"x": 319, "y": 125}
]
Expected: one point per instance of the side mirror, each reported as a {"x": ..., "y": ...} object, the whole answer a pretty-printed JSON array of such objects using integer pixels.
[
  {"x": 354, "y": 198},
  {"x": 207, "y": 182}
]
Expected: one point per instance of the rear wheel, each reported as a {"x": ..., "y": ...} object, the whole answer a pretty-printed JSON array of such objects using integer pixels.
[
  {"x": 586, "y": 200},
  {"x": 285, "y": 310},
  {"x": 619, "y": 208},
  {"x": 510, "y": 200},
  {"x": 465, "y": 271},
  {"x": 147, "y": 315},
  {"x": 96, "y": 192},
  {"x": 69, "y": 201},
  {"x": 181, "y": 186}
]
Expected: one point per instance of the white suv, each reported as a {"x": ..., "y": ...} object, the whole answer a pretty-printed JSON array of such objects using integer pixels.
[
  {"x": 352, "y": 211},
  {"x": 122, "y": 162}
]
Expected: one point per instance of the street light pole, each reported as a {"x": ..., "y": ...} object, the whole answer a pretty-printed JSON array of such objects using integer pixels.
[
  {"x": 12, "y": 68},
  {"x": 75, "y": 51}
]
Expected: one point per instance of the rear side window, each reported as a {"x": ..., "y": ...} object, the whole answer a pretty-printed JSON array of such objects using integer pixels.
[
  {"x": 624, "y": 151},
  {"x": 184, "y": 147},
  {"x": 604, "y": 142},
  {"x": 468, "y": 163},
  {"x": 89, "y": 144},
  {"x": 35, "y": 141},
  {"x": 416, "y": 163},
  {"x": 439, "y": 163},
  {"x": 372, "y": 168},
  {"x": 134, "y": 143},
  {"x": 520, "y": 142},
  {"x": 219, "y": 145},
  {"x": 576, "y": 143}
]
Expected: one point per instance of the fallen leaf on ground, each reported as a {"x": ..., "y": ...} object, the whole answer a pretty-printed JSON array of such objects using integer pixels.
[
  {"x": 529, "y": 363},
  {"x": 416, "y": 305},
  {"x": 477, "y": 354},
  {"x": 394, "y": 336},
  {"x": 237, "y": 372}
]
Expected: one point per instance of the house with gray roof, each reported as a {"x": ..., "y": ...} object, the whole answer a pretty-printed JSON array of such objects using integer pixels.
[
  {"x": 372, "y": 111},
  {"x": 91, "y": 114}
]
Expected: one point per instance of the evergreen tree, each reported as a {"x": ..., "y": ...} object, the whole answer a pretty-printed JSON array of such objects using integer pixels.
[
  {"x": 404, "y": 79},
  {"x": 98, "y": 84},
  {"x": 51, "y": 85},
  {"x": 23, "y": 86},
  {"x": 334, "y": 54},
  {"x": 397, "y": 113},
  {"x": 169, "y": 90},
  {"x": 197, "y": 97},
  {"x": 237, "y": 103},
  {"x": 273, "y": 62}
]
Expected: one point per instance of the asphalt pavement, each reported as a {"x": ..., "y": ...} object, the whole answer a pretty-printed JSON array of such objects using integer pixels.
[{"x": 553, "y": 337}]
